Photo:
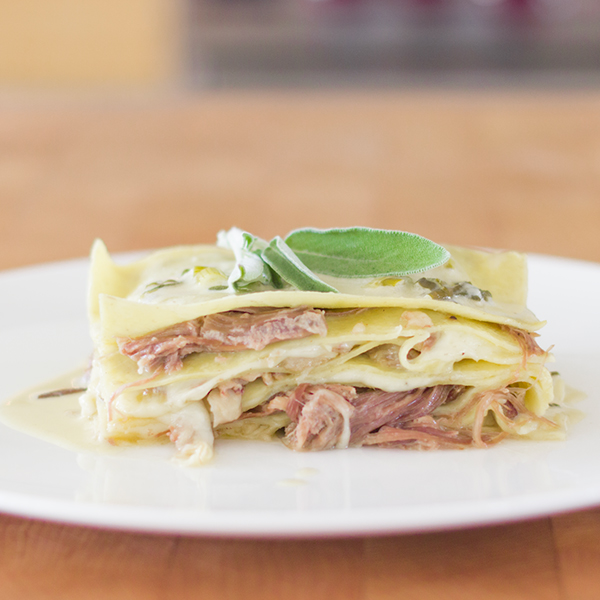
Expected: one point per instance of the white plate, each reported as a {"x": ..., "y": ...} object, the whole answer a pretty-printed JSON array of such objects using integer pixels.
[{"x": 260, "y": 489}]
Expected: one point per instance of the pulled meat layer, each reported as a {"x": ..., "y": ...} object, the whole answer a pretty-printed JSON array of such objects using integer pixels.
[
  {"x": 231, "y": 331},
  {"x": 328, "y": 416}
]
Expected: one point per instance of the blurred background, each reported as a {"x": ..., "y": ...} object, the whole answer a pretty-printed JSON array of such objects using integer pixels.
[
  {"x": 224, "y": 43},
  {"x": 153, "y": 122},
  {"x": 387, "y": 42}
]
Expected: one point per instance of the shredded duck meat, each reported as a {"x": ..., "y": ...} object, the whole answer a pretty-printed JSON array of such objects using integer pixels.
[
  {"x": 231, "y": 331},
  {"x": 328, "y": 416},
  {"x": 422, "y": 434},
  {"x": 334, "y": 416},
  {"x": 526, "y": 340}
]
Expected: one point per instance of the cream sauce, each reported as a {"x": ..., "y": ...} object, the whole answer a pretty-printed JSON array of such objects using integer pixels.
[{"x": 57, "y": 420}]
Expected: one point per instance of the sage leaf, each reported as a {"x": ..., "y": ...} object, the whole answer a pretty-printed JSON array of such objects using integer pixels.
[
  {"x": 361, "y": 252},
  {"x": 249, "y": 266},
  {"x": 285, "y": 263},
  {"x": 158, "y": 285}
]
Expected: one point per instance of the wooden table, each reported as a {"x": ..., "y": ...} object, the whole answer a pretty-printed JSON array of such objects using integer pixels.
[{"x": 502, "y": 169}]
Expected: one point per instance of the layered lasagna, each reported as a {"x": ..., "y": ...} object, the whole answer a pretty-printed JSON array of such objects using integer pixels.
[{"x": 445, "y": 358}]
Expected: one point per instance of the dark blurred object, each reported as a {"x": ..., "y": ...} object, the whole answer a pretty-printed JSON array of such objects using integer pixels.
[{"x": 241, "y": 42}]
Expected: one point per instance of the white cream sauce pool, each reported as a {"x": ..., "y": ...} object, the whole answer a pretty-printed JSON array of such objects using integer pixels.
[{"x": 56, "y": 419}]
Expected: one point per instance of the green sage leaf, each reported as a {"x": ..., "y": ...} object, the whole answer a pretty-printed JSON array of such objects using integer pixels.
[
  {"x": 360, "y": 252},
  {"x": 249, "y": 267},
  {"x": 285, "y": 263},
  {"x": 158, "y": 285}
]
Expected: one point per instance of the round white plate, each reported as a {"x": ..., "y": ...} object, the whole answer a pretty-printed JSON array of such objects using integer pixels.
[{"x": 264, "y": 489}]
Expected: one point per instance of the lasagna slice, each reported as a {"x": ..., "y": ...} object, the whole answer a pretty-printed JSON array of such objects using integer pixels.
[{"x": 445, "y": 358}]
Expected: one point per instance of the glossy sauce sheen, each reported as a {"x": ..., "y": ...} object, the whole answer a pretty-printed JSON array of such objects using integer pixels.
[{"x": 57, "y": 419}]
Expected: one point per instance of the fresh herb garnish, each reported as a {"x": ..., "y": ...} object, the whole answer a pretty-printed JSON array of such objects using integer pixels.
[
  {"x": 249, "y": 268},
  {"x": 287, "y": 265},
  {"x": 356, "y": 252},
  {"x": 61, "y": 392},
  {"x": 438, "y": 290},
  {"x": 360, "y": 252},
  {"x": 157, "y": 285}
]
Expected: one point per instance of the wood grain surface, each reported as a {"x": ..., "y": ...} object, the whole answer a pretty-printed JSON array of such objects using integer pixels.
[{"x": 504, "y": 169}]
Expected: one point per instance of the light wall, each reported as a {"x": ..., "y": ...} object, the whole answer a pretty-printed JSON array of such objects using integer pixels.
[{"x": 89, "y": 42}]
